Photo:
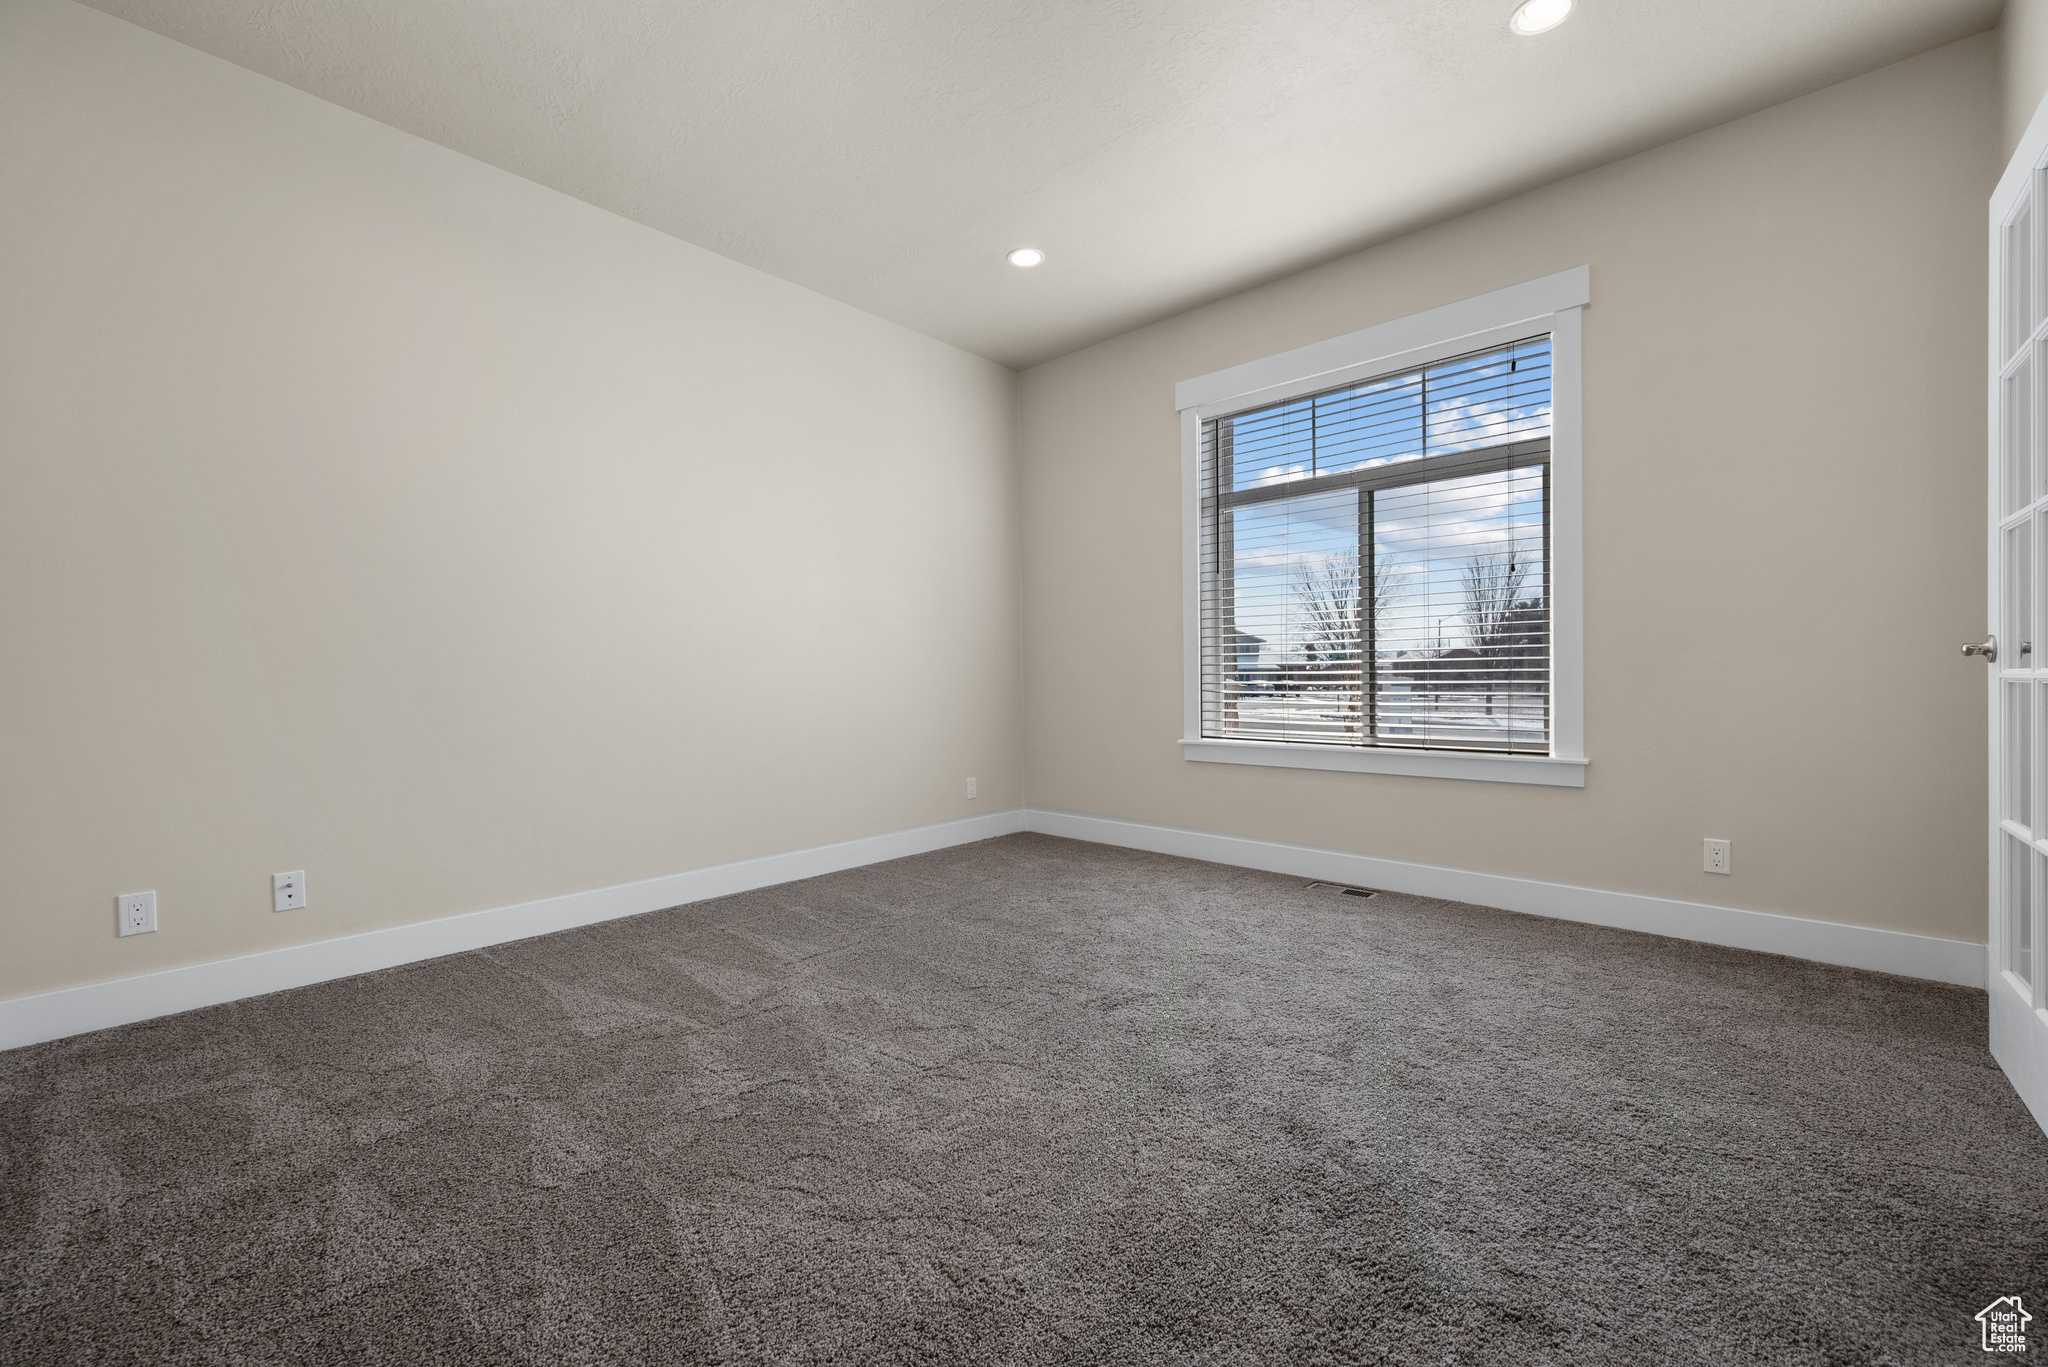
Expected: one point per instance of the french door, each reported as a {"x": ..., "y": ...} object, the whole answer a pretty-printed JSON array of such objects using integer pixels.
[{"x": 2018, "y": 596}]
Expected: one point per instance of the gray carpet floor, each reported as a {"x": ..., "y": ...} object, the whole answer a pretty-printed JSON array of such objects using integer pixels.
[{"x": 1032, "y": 1101}]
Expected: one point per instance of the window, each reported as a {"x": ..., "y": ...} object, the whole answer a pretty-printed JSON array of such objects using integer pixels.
[{"x": 1384, "y": 547}]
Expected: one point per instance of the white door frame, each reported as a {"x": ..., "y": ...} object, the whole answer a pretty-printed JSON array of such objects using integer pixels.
[{"x": 2019, "y": 1025}]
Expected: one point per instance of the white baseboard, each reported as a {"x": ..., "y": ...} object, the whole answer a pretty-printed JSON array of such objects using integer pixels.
[
  {"x": 1829, "y": 942},
  {"x": 95, "y": 1006},
  {"x": 121, "y": 1001}
]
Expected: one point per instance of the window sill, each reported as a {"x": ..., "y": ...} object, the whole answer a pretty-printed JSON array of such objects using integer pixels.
[{"x": 1544, "y": 770}]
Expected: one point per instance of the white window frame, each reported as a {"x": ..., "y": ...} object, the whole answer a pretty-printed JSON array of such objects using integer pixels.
[{"x": 1550, "y": 304}]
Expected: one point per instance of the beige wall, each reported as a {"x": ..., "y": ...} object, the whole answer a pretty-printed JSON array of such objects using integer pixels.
[
  {"x": 367, "y": 510},
  {"x": 2023, "y": 59},
  {"x": 1784, "y": 522}
]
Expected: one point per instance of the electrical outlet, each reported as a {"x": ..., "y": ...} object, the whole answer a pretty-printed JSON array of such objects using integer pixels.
[
  {"x": 1720, "y": 856},
  {"x": 287, "y": 891},
  {"x": 970, "y": 790},
  {"x": 135, "y": 913}
]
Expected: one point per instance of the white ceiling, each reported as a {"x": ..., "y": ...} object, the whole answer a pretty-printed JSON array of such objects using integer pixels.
[{"x": 1162, "y": 152}]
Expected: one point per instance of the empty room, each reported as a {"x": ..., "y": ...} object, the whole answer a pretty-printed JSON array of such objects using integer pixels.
[{"x": 921, "y": 681}]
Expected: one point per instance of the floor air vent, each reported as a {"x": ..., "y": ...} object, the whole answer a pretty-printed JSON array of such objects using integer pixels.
[{"x": 1342, "y": 889}]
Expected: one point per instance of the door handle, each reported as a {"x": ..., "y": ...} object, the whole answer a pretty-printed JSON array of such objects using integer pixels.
[{"x": 1988, "y": 648}]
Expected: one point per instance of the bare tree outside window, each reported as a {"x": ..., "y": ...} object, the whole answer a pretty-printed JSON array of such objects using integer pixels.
[
  {"x": 1334, "y": 634},
  {"x": 1326, "y": 599},
  {"x": 1326, "y": 592},
  {"x": 1508, "y": 630}
]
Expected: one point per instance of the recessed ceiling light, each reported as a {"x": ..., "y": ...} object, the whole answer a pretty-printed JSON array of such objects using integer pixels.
[
  {"x": 1539, "y": 16},
  {"x": 1031, "y": 256}
]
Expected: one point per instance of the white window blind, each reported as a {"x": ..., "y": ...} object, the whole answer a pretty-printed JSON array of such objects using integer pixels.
[{"x": 1375, "y": 561}]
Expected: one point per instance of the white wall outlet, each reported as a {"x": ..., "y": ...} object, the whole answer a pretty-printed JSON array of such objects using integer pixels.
[
  {"x": 135, "y": 913},
  {"x": 1720, "y": 856},
  {"x": 970, "y": 790},
  {"x": 288, "y": 891}
]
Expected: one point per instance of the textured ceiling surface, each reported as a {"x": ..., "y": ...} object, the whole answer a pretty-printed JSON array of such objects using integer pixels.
[{"x": 1162, "y": 152}]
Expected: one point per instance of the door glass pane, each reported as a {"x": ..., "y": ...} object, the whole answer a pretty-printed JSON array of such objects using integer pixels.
[
  {"x": 2040, "y": 297},
  {"x": 2029, "y": 914},
  {"x": 2019, "y": 293},
  {"x": 2031, "y": 646},
  {"x": 2016, "y": 634},
  {"x": 2019, "y": 437},
  {"x": 2019, "y": 908},
  {"x": 2019, "y": 750}
]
